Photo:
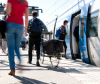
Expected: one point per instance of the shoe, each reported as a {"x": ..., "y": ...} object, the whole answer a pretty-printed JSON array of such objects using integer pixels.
[
  {"x": 12, "y": 72},
  {"x": 29, "y": 62},
  {"x": 37, "y": 64}
]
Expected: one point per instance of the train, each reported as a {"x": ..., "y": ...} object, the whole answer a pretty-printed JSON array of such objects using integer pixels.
[{"x": 86, "y": 13}]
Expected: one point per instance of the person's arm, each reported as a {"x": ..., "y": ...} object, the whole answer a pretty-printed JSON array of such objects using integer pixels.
[
  {"x": 44, "y": 27},
  {"x": 8, "y": 9},
  {"x": 26, "y": 19}
]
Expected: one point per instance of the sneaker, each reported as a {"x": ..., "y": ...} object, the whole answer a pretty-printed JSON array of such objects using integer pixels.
[
  {"x": 37, "y": 64},
  {"x": 29, "y": 62}
]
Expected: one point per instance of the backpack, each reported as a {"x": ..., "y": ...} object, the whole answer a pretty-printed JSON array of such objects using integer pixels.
[
  {"x": 35, "y": 26},
  {"x": 58, "y": 33}
]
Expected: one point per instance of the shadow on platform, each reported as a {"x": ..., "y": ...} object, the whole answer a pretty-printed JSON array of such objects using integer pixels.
[{"x": 24, "y": 80}]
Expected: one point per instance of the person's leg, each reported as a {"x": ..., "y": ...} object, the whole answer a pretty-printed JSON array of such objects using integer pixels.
[
  {"x": 37, "y": 45},
  {"x": 64, "y": 43},
  {"x": 18, "y": 36},
  {"x": 31, "y": 43},
  {"x": 10, "y": 43},
  {"x": 24, "y": 45},
  {"x": 65, "y": 46}
]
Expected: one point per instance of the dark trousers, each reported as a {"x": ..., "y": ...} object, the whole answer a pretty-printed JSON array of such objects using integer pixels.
[
  {"x": 33, "y": 40},
  {"x": 62, "y": 37}
]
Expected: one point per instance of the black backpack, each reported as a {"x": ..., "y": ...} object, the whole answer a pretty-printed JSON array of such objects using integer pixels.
[{"x": 35, "y": 26}]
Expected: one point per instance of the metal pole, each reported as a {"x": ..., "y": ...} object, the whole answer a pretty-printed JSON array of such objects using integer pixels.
[{"x": 55, "y": 28}]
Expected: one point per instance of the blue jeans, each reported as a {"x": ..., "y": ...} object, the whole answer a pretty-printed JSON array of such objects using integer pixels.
[{"x": 13, "y": 36}]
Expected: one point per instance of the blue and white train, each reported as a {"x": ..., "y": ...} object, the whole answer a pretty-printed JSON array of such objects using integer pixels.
[{"x": 87, "y": 14}]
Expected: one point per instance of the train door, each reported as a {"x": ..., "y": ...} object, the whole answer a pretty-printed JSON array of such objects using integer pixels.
[
  {"x": 74, "y": 45},
  {"x": 82, "y": 34},
  {"x": 93, "y": 34}
]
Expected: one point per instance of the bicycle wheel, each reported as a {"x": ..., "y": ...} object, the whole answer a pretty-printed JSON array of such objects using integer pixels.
[{"x": 55, "y": 59}]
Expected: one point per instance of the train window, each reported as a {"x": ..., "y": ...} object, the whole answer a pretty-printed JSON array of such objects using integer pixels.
[{"x": 92, "y": 26}]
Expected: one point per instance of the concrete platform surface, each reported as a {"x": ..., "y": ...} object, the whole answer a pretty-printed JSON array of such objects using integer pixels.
[{"x": 68, "y": 72}]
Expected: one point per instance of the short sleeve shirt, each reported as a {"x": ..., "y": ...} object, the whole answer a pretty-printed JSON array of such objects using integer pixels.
[{"x": 17, "y": 11}]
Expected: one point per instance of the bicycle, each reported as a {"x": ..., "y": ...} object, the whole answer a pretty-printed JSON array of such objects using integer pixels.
[{"x": 54, "y": 53}]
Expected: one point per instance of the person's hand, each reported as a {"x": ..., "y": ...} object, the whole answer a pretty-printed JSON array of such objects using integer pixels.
[{"x": 25, "y": 31}]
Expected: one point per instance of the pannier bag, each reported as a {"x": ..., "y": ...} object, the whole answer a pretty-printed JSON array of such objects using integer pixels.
[{"x": 49, "y": 46}]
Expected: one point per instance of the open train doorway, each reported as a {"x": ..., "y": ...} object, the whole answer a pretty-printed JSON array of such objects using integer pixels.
[{"x": 74, "y": 36}]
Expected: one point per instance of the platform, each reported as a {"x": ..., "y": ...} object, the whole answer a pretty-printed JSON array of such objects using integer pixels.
[{"x": 68, "y": 72}]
